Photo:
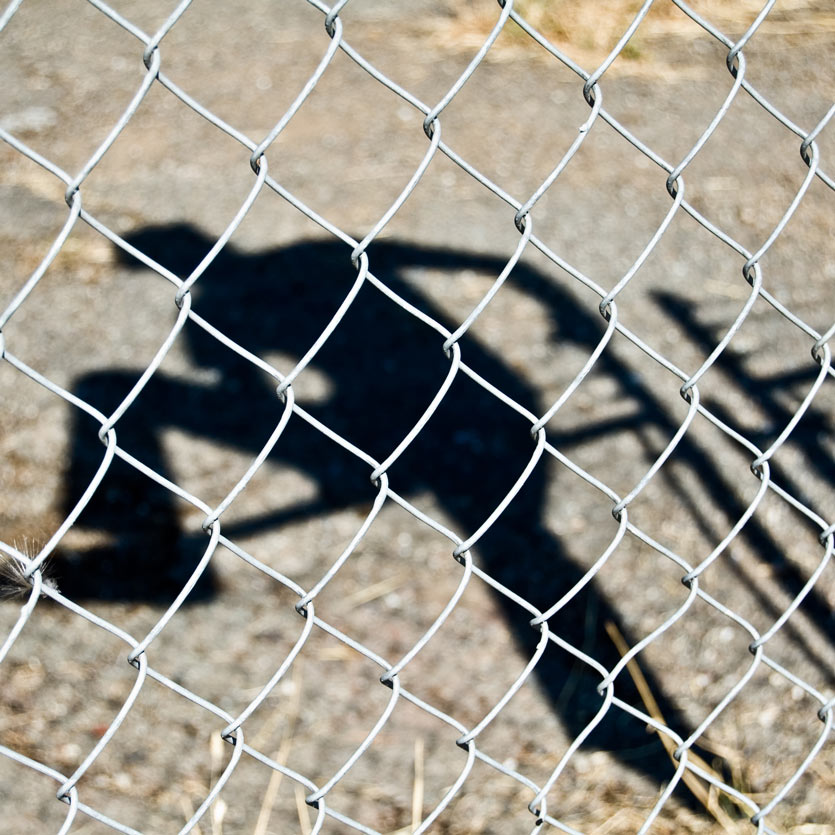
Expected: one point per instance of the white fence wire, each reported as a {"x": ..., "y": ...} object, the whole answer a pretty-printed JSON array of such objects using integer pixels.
[{"x": 479, "y": 477}]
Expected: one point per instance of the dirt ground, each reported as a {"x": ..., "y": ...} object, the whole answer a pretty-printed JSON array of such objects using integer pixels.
[{"x": 169, "y": 186}]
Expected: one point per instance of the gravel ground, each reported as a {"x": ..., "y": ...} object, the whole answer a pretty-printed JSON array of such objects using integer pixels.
[{"x": 171, "y": 183}]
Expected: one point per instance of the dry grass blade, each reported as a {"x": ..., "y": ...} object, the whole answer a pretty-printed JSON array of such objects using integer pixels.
[
  {"x": 301, "y": 807},
  {"x": 417, "y": 789},
  {"x": 282, "y": 752},
  {"x": 708, "y": 797}
]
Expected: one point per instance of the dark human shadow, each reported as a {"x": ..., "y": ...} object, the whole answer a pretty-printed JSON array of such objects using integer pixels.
[
  {"x": 384, "y": 366},
  {"x": 810, "y": 437}
]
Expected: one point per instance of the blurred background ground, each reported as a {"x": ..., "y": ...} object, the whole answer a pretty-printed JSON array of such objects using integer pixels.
[{"x": 172, "y": 182}]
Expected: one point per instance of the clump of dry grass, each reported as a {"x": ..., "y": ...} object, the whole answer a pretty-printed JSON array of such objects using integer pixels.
[
  {"x": 15, "y": 583},
  {"x": 587, "y": 32}
]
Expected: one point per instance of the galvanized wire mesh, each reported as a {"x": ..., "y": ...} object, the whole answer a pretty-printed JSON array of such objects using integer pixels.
[{"x": 748, "y": 449}]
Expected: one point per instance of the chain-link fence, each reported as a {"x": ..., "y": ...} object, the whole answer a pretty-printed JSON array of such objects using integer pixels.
[{"x": 417, "y": 417}]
